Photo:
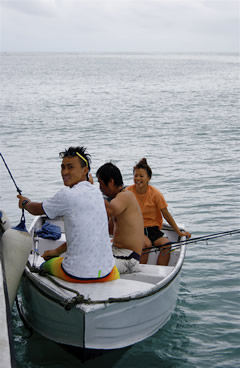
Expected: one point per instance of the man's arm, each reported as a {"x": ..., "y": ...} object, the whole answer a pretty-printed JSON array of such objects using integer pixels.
[
  {"x": 48, "y": 254},
  {"x": 35, "y": 208},
  {"x": 117, "y": 205}
]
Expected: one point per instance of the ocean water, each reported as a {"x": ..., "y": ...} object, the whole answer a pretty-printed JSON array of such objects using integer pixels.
[{"x": 181, "y": 112}]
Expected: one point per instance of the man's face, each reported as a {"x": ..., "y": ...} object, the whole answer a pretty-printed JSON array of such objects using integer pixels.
[
  {"x": 72, "y": 172},
  {"x": 108, "y": 190}
]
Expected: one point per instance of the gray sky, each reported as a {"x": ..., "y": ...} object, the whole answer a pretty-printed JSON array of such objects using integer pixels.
[{"x": 120, "y": 25}]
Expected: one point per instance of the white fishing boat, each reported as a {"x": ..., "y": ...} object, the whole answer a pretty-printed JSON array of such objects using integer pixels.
[{"x": 108, "y": 315}]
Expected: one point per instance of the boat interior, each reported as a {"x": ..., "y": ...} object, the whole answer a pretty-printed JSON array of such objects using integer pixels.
[{"x": 149, "y": 274}]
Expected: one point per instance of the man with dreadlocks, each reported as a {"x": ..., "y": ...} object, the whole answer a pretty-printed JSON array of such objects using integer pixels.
[{"x": 88, "y": 251}]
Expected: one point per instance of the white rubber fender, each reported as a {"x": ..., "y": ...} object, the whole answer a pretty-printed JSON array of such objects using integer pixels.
[
  {"x": 16, "y": 248},
  {"x": 5, "y": 221}
]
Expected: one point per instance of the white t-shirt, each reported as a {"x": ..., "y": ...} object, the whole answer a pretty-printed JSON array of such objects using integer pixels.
[{"x": 89, "y": 251}]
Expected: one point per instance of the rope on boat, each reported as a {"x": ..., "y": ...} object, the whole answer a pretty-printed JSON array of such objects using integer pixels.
[{"x": 80, "y": 299}]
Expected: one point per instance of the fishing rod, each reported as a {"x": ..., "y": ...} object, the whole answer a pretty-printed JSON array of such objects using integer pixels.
[
  {"x": 178, "y": 244},
  {"x": 21, "y": 226},
  {"x": 18, "y": 190}
]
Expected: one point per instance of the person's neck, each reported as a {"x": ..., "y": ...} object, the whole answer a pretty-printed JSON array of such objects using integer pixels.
[
  {"x": 119, "y": 189},
  {"x": 80, "y": 181},
  {"x": 142, "y": 190}
]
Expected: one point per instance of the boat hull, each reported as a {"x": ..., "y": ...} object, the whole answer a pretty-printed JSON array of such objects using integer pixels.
[
  {"x": 109, "y": 326},
  {"x": 125, "y": 324},
  {"x": 49, "y": 318}
]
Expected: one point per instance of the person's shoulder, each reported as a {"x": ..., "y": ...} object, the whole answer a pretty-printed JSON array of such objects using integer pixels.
[
  {"x": 125, "y": 199},
  {"x": 130, "y": 187},
  {"x": 152, "y": 188},
  {"x": 129, "y": 196},
  {"x": 125, "y": 195},
  {"x": 60, "y": 196},
  {"x": 85, "y": 185},
  {"x": 154, "y": 191},
  {"x": 82, "y": 183},
  {"x": 65, "y": 191},
  {"x": 83, "y": 188}
]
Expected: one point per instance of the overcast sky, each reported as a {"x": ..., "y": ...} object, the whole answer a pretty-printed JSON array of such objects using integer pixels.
[{"x": 120, "y": 25}]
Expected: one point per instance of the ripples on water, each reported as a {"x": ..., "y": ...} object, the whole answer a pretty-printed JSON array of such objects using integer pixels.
[{"x": 181, "y": 112}]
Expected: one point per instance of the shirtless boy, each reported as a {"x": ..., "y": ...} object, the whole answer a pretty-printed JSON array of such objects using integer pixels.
[{"x": 123, "y": 209}]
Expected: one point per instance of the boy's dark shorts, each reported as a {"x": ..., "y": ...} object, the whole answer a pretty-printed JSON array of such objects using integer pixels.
[{"x": 153, "y": 233}]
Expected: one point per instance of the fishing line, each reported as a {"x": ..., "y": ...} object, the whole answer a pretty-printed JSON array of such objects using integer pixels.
[{"x": 178, "y": 244}]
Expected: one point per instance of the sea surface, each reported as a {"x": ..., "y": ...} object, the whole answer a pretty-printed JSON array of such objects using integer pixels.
[{"x": 181, "y": 112}]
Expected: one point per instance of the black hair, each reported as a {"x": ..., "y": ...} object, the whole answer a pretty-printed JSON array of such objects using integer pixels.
[
  {"x": 142, "y": 164},
  {"x": 109, "y": 171},
  {"x": 71, "y": 152}
]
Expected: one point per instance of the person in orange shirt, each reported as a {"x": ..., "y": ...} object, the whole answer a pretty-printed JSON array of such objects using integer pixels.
[{"x": 154, "y": 207}]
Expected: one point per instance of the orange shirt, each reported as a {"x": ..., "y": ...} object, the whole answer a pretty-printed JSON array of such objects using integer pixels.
[{"x": 151, "y": 204}]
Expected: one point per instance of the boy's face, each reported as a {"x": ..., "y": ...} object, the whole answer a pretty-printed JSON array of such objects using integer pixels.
[
  {"x": 72, "y": 172},
  {"x": 108, "y": 190}
]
